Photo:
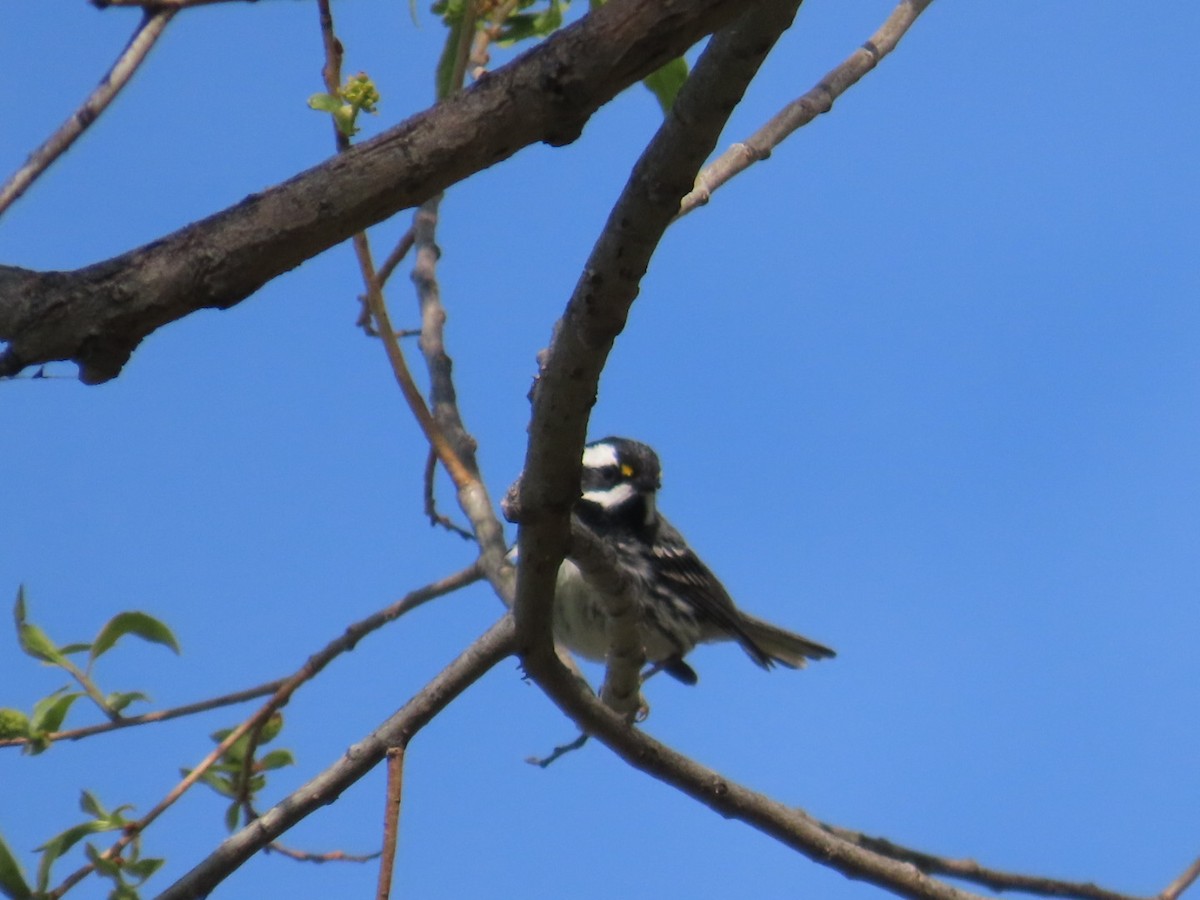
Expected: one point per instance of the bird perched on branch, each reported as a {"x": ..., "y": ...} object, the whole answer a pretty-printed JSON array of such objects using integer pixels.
[{"x": 681, "y": 602}]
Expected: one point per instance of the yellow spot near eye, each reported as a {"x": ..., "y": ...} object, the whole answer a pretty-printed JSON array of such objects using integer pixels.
[{"x": 627, "y": 470}]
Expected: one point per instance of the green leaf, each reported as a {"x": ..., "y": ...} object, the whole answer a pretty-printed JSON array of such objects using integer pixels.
[
  {"x": 119, "y": 700},
  {"x": 107, "y": 867},
  {"x": 277, "y": 759},
  {"x": 90, "y": 805},
  {"x": 12, "y": 878},
  {"x": 49, "y": 712},
  {"x": 13, "y": 723},
  {"x": 445, "y": 67},
  {"x": 521, "y": 26},
  {"x": 60, "y": 844},
  {"x": 33, "y": 640},
  {"x": 271, "y": 730},
  {"x": 143, "y": 868},
  {"x": 75, "y": 648},
  {"x": 19, "y": 606},
  {"x": 116, "y": 818},
  {"x": 231, "y": 816},
  {"x": 325, "y": 102},
  {"x": 666, "y": 82},
  {"x": 139, "y": 624},
  {"x": 218, "y": 784}
]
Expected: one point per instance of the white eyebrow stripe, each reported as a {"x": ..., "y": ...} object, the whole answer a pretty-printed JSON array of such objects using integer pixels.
[
  {"x": 597, "y": 456},
  {"x": 610, "y": 498}
]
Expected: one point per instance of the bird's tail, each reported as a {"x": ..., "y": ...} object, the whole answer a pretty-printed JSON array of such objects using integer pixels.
[{"x": 780, "y": 645}]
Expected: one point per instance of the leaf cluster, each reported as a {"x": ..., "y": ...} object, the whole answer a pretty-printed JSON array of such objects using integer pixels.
[
  {"x": 358, "y": 94},
  {"x": 50, "y": 712},
  {"x": 127, "y": 872},
  {"x": 239, "y": 775}
]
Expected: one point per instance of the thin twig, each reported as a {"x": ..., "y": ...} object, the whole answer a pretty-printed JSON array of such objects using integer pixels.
[
  {"x": 391, "y": 820},
  {"x": 558, "y": 752},
  {"x": 162, "y": 4},
  {"x": 803, "y": 110},
  {"x": 473, "y": 497},
  {"x": 162, "y": 715},
  {"x": 371, "y": 280},
  {"x": 443, "y": 399},
  {"x": 412, "y": 394},
  {"x": 479, "y": 56},
  {"x": 394, "y": 258},
  {"x": 308, "y": 856},
  {"x": 1182, "y": 883},
  {"x": 134, "y": 54},
  {"x": 431, "y": 511}
]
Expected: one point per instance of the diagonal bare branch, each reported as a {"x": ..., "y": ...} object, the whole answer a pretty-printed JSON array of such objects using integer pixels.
[
  {"x": 969, "y": 870},
  {"x": 153, "y": 23},
  {"x": 803, "y": 110},
  {"x": 1185, "y": 880}
]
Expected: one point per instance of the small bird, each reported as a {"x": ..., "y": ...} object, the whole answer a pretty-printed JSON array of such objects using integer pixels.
[{"x": 682, "y": 602}]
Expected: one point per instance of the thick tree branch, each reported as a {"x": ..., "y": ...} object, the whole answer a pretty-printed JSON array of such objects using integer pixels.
[
  {"x": 397, "y": 731},
  {"x": 597, "y": 310},
  {"x": 97, "y": 315},
  {"x": 786, "y": 824}
]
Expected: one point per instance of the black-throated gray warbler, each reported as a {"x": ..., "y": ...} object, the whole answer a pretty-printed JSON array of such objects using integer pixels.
[{"x": 682, "y": 602}]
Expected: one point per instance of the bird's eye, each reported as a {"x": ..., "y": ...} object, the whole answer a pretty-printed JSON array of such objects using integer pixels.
[{"x": 608, "y": 474}]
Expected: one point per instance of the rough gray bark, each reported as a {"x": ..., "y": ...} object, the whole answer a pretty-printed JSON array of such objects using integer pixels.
[{"x": 97, "y": 315}]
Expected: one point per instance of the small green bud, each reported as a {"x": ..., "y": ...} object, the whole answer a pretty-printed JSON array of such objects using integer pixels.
[{"x": 13, "y": 723}]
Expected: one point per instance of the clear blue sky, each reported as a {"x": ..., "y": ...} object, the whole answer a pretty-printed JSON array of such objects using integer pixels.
[{"x": 926, "y": 386}]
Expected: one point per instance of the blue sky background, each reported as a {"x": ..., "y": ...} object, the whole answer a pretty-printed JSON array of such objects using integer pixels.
[{"x": 925, "y": 385}]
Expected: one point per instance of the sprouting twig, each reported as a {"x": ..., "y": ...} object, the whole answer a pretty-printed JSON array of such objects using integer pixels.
[
  {"x": 162, "y": 715},
  {"x": 282, "y": 694},
  {"x": 134, "y": 54}
]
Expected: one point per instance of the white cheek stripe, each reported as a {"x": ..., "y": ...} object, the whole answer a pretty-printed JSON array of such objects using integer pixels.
[
  {"x": 598, "y": 456},
  {"x": 613, "y": 497}
]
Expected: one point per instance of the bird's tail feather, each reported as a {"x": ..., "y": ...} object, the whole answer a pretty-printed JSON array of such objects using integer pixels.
[{"x": 780, "y": 645}]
